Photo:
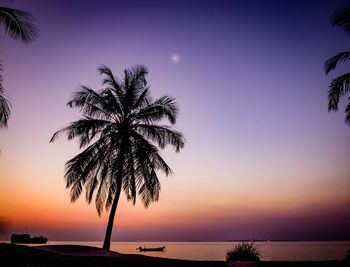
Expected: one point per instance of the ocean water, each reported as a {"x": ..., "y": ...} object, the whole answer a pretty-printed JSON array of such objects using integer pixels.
[{"x": 270, "y": 251}]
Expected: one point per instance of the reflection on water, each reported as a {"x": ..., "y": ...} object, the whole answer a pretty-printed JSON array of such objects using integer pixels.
[{"x": 334, "y": 250}]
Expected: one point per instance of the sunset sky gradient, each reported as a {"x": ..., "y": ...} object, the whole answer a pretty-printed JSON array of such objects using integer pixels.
[{"x": 264, "y": 159}]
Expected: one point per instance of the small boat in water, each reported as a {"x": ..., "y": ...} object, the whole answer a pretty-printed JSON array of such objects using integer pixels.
[
  {"x": 151, "y": 249},
  {"x": 27, "y": 239}
]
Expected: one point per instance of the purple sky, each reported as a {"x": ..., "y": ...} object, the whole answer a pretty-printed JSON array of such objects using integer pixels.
[{"x": 263, "y": 159}]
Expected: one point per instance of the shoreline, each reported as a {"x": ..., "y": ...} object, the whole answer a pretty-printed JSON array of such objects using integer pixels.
[{"x": 78, "y": 255}]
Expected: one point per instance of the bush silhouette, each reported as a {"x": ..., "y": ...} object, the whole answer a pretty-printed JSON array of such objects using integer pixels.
[{"x": 245, "y": 251}]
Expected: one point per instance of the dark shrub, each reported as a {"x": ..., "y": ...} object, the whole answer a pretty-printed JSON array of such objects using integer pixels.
[
  {"x": 245, "y": 251},
  {"x": 347, "y": 256}
]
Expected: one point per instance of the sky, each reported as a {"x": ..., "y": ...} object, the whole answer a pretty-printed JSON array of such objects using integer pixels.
[{"x": 264, "y": 159}]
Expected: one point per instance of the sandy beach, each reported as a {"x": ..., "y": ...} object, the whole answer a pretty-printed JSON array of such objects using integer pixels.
[{"x": 74, "y": 255}]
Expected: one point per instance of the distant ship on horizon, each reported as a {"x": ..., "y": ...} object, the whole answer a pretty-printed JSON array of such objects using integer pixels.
[{"x": 26, "y": 239}]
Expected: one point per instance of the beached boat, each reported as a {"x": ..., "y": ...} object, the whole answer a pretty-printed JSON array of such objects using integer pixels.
[
  {"x": 27, "y": 239},
  {"x": 151, "y": 249}
]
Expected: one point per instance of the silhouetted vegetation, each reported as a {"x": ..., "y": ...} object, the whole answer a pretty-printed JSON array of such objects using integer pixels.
[
  {"x": 339, "y": 86},
  {"x": 347, "y": 256},
  {"x": 121, "y": 132},
  {"x": 244, "y": 251},
  {"x": 4, "y": 104},
  {"x": 18, "y": 25}
]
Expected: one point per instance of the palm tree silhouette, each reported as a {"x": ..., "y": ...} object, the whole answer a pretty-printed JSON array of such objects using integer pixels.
[
  {"x": 121, "y": 132},
  {"x": 18, "y": 25},
  {"x": 339, "y": 86}
]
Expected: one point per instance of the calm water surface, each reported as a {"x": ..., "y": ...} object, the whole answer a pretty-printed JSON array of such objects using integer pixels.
[{"x": 334, "y": 250}]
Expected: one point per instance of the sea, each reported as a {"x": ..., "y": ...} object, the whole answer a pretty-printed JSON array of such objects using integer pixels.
[{"x": 216, "y": 251}]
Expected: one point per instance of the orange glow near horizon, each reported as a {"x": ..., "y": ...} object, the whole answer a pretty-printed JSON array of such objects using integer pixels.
[{"x": 51, "y": 210}]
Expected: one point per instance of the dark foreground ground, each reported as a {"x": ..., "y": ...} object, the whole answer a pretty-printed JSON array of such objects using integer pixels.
[{"x": 71, "y": 255}]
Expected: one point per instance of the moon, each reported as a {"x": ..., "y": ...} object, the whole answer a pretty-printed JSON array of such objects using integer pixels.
[{"x": 175, "y": 58}]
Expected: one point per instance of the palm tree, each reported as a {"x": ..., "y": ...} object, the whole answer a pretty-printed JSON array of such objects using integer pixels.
[
  {"x": 18, "y": 25},
  {"x": 121, "y": 131},
  {"x": 340, "y": 85}
]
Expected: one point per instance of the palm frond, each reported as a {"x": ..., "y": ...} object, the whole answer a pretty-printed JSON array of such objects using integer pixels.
[
  {"x": 91, "y": 103},
  {"x": 134, "y": 83},
  {"x": 90, "y": 188},
  {"x": 84, "y": 170},
  {"x": 163, "y": 107},
  {"x": 117, "y": 170},
  {"x": 5, "y": 106},
  {"x": 332, "y": 62},
  {"x": 143, "y": 99},
  {"x": 109, "y": 80},
  {"x": 337, "y": 88},
  {"x": 5, "y": 109},
  {"x": 129, "y": 182},
  {"x": 341, "y": 18},
  {"x": 114, "y": 103},
  {"x": 101, "y": 196},
  {"x": 138, "y": 82},
  {"x": 138, "y": 76},
  {"x": 103, "y": 185},
  {"x": 85, "y": 128},
  {"x": 76, "y": 190},
  {"x": 347, "y": 113},
  {"x": 162, "y": 135},
  {"x": 112, "y": 189},
  {"x": 150, "y": 189},
  {"x": 1, "y": 78},
  {"x": 148, "y": 154},
  {"x": 160, "y": 164},
  {"x": 86, "y": 162},
  {"x": 18, "y": 24},
  {"x": 147, "y": 161},
  {"x": 112, "y": 83}
]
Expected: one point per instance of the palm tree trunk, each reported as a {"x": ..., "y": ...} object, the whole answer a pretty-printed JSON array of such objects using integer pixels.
[{"x": 107, "y": 241}]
